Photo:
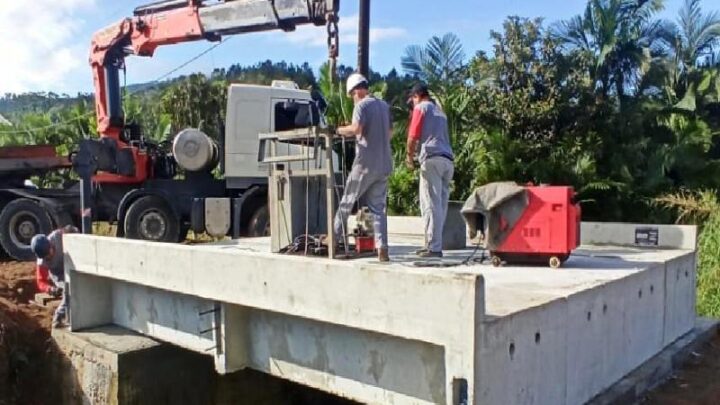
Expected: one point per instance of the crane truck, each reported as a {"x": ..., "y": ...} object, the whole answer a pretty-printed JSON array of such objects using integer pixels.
[
  {"x": 127, "y": 177},
  {"x": 130, "y": 180}
]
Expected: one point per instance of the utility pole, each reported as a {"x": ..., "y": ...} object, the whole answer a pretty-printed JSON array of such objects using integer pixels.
[{"x": 364, "y": 39}]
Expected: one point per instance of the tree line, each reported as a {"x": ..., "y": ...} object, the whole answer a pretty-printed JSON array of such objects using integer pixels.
[{"x": 620, "y": 104}]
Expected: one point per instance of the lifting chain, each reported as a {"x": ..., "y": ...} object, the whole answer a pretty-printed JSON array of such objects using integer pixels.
[{"x": 333, "y": 42}]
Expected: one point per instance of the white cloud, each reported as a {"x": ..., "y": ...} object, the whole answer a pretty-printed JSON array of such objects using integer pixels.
[
  {"x": 38, "y": 43},
  {"x": 308, "y": 35}
]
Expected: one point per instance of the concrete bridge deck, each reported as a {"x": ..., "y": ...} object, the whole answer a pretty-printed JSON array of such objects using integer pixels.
[{"x": 400, "y": 333}]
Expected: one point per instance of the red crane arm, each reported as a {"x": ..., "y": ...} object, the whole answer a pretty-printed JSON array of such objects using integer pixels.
[
  {"x": 170, "y": 22},
  {"x": 140, "y": 35}
]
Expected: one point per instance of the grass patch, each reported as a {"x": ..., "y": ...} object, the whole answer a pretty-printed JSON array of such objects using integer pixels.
[
  {"x": 708, "y": 287},
  {"x": 702, "y": 209}
]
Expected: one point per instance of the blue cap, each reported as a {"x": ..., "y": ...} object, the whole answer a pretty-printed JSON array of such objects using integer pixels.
[{"x": 40, "y": 245}]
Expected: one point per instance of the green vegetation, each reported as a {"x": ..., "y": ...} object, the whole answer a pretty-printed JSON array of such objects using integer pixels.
[
  {"x": 702, "y": 208},
  {"x": 621, "y": 105}
]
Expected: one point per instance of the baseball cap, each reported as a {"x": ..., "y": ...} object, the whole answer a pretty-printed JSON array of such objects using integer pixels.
[
  {"x": 40, "y": 245},
  {"x": 420, "y": 89}
]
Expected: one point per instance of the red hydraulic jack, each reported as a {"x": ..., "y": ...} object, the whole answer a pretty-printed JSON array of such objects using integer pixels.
[{"x": 363, "y": 232}]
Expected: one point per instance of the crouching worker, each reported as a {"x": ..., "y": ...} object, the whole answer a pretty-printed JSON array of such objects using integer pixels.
[{"x": 50, "y": 269}]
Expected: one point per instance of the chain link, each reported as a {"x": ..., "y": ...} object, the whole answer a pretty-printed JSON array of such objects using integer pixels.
[{"x": 333, "y": 43}]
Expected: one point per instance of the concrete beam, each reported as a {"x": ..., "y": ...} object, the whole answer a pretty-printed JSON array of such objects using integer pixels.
[
  {"x": 402, "y": 332},
  {"x": 620, "y": 234},
  {"x": 357, "y": 295},
  {"x": 292, "y": 317}
]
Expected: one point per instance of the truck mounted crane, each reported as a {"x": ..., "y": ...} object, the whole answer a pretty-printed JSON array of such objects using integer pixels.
[
  {"x": 131, "y": 180},
  {"x": 122, "y": 169}
]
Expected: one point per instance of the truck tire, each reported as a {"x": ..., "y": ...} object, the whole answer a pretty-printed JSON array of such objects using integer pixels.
[
  {"x": 259, "y": 224},
  {"x": 150, "y": 218},
  {"x": 20, "y": 220}
]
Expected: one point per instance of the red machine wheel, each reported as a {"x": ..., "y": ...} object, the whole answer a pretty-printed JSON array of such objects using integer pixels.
[
  {"x": 555, "y": 262},
  {"x": 496, "y": 261}
]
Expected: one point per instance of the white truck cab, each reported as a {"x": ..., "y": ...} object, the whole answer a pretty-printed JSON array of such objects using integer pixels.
[
  {"x": 254, "y": 110},
  {"x": 251, "y": 110}
]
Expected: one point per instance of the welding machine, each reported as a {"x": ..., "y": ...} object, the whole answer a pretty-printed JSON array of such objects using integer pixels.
[{"x": 524, "y": 224}]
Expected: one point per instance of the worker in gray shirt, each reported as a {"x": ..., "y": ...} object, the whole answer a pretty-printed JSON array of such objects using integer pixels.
[
  {"x": 429, "y": 129},
  {"x": 50, "y": 268},
  {"x": 372, "y": 128}
]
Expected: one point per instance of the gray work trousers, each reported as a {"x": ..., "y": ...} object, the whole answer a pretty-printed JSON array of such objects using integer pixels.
[
  {"x": 371, "y": 190},
  {"x": 436, "y": 173}
]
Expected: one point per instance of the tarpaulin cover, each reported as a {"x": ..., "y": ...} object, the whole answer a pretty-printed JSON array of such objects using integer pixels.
[{"x": 493, "y": 210}]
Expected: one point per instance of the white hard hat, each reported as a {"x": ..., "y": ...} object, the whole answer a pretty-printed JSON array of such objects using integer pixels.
[{"x": 353, "y": 81}]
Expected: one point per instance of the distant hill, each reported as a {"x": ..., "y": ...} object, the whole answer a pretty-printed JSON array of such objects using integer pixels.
[{"x": 15, "y": 105}]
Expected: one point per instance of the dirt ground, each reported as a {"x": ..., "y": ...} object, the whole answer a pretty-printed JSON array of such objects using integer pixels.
[
  {"x": 698, "y": 382},
  {"x": 25, "y": 346}
]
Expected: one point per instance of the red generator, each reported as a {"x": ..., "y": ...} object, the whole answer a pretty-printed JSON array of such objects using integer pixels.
[{"x": 524, "y": 224}]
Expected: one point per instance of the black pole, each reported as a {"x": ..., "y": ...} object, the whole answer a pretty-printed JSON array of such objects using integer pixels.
[
  {"x": 84, "y": 164},
  {"x": 364, "y": 38},
  {"x": 86, "y": 203}
]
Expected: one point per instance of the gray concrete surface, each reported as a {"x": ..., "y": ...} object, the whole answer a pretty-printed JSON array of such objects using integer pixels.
[
  {"x": 405, "y": 332},
  {"x": 111, "y": 365}
]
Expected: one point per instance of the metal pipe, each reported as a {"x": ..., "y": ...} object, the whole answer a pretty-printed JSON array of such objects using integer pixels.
[{"x": 364, "y": 38}]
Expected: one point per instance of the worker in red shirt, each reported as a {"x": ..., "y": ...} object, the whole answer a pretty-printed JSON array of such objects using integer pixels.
[
  {"x": 429, "y": 129},
  {"x": 50, "y": 269}
]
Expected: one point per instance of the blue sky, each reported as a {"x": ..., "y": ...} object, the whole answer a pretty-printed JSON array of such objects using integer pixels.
[{"x": 45, "y": 42}]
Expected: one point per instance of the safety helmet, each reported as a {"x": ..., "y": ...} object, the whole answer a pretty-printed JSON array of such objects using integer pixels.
[
  {"x": 353, "y": 81},
  {"x": 40, "y": 245}
]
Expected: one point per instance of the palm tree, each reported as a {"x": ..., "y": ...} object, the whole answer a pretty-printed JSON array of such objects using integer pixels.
[
  {"x": 439, "y": 63},
  {"x": 620, "y": 37},
  {"x": 340, "y": 105},
  {"x": 694, "y": 36}
]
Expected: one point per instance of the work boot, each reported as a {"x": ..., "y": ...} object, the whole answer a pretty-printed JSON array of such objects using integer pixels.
[
  {"x": 383, "y": 255},
  {"x": 427, "y": 254}
]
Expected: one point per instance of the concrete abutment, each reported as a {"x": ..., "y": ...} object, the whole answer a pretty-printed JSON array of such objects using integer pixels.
[{"x": 113, "y": 365}]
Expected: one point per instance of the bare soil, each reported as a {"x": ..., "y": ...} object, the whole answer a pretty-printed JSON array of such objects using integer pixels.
[
  {"x": 25, "y": 345},
  {"x": 26, "y": 351},
  {"x": 698, "y": 382}
]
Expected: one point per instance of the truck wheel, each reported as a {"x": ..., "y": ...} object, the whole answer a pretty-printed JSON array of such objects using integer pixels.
[
  {"x": 259, "y": 224},
  {"x": 20, "y": 220},
  {"x": 150, "y": 218}
]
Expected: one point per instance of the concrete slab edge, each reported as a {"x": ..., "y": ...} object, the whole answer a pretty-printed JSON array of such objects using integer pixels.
[{"x": 632, "y": 388}]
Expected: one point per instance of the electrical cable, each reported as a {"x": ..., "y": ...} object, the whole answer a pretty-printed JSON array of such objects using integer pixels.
[{"x": 468, "y": 261}]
